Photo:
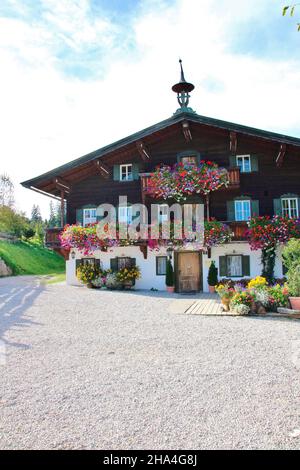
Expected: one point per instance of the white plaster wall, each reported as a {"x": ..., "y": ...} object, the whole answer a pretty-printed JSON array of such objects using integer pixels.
[
  {"x": 147, "y": 266},
  {"x": 239, "y": 249}
]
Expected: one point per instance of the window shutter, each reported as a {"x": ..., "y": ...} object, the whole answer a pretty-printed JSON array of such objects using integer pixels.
[
  {"x": 116, "y": 173},
  {"x": 114, "y": 264},
  {"x": 277, "y": 206},
  {"x": 232, "y": 161},
  {"x": 254, "y": 163},
  {"x": 222, "y": 266},
  {"x": 79, "y": 216},
  {"x": 298, "y": 206},
  {"x": 97, "y": 263},
  {"x": 135, "y": 171},
  {"x": 78, "y": 263},
  {"x": 230, "y": 211},
  {"x": 246, "y": 265},
  {"x": 132, "y": 262},
  {"x": 254, "y": 207}
]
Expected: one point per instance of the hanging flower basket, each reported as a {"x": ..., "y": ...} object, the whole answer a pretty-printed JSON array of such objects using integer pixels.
[{"x": 180, "y": 181}]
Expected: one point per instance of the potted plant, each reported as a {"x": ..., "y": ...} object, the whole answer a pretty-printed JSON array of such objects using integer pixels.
[
  {"x": 212, "y": 277},
  {"x": 170, "y": 276},
  {"x": 291, "y": 260},
  {"x": 226, "y": 292},
  {"x": 86, "y": 273},
  {"x": 294, "y": 287},
  {"x": 128, "y": 276}
]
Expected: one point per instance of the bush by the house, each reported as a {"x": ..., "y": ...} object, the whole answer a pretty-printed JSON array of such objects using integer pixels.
[
  {"x": 86, "y": 273},
  {"x": 212, "y": 277},
  {"x": 169, "y": 274}
]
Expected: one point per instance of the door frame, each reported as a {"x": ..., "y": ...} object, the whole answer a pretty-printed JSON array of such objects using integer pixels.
[{"x": 200, "y": 259}]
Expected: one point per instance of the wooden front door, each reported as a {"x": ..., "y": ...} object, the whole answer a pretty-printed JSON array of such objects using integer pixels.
[{"x": 188, "y": 272}]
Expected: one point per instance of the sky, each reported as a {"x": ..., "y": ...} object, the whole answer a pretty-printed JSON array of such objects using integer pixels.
[{"x": 79, "y": 74}]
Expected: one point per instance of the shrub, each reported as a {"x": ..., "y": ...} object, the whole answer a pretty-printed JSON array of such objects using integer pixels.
[
  {"x": 128, "y": 274},
  {"x": 291, "y": 254},
  {"x": 212, "y": 277},
  {"x": 169, "y": 274},
  {"x": 294, "y": 281}
]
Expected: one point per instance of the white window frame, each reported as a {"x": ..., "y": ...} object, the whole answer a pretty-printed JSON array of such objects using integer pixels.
[
  {"x": 289, "y": 209},
  {"x": 128, "y": 167},
  {"x": 89, "y": 220},
  {"x": 125, "y": 219},
  {"x": 243, "y": 218},
  {"x": 242, "y": 167}
]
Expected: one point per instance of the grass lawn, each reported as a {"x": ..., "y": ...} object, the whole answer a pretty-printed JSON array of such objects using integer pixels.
[{"x": 31, "y": 258}]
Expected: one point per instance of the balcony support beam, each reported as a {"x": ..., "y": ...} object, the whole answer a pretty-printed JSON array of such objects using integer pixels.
[
  {"x": 101, "y": 168},
  {"x": 233, "y": 143},
  {"x": 281, "y": 155},
  {"x": 187, "y": 131}
]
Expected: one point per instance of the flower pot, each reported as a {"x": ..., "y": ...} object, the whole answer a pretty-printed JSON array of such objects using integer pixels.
[
  {"x": 212, "y": 289},
  {"x": 170, "y": 289},
  {"x": 127, "y": 284},
  {"x": 295, "y": 302},
  {"x": 89, "y": 285},
  {"x": 226, "y": 304}
]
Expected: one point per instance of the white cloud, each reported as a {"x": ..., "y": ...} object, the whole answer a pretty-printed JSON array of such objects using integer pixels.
[{"x": 48, "y": 118}]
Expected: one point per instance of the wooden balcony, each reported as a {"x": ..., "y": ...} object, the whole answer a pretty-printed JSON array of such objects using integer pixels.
[
  {"x": 239, "y": 230},
  {"x": 233, "y": 175},
  {"x": 52, "y": 241},
  {"x": 52, "y": 237}
]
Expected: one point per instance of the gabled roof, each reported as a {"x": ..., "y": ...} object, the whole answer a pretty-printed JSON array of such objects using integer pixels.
[{"x": 176, "y": 118}]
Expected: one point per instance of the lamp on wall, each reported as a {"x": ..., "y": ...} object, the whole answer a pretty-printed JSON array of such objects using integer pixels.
[{"x": 73, "y": 254}]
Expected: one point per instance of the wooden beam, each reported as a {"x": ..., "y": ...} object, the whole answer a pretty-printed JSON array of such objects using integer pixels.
[
  {"x": 144, "y": 250},
  {"x": 233, "y": 143},
  {"x": 143, "y": 151},
  {"x": 281, "y": 155},
  {"x": 102, "y": 168},
  {"x": 62, "y": 208},
  {"x": 187, "y": 131},
  {"x": 62, "y": 182}
]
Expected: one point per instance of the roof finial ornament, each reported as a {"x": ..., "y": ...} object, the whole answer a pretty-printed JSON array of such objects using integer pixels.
[{"x": 182, "y": 88}]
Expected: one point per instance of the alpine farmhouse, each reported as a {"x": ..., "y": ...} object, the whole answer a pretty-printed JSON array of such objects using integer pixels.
[{"x": 263, "y": 172}]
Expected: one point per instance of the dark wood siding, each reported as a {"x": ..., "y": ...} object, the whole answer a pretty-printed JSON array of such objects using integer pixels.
[{"x": 268, "y": 183}]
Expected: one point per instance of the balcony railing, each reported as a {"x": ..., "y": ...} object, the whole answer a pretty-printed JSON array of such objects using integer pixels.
[
  {"x": 233, "y": 176},
  {"x": 52, "y": 237},
  {"x": 239, "y": 230}
]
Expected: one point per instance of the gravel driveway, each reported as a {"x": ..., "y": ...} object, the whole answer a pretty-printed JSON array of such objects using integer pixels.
[{"x": 91, "y": 369}]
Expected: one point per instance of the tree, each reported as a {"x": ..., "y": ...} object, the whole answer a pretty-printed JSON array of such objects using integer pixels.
[
  {"x": 291, "y": 10},
  {"x": 6, "y": 191},
  {"x": 54, "y": 219},
  {"x": 11, "y": 222},
  {"x": 212, "y": 277},
  {"x": 36, "y": 214}
]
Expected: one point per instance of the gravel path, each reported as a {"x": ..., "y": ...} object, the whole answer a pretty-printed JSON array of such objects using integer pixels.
[{"x": 89, "y": 369}]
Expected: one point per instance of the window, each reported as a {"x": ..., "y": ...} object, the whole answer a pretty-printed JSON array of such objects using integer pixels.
[
  {"x": 126, "y": 172},
  {"x": 242, "y": 210},
  {"x": 89, "y": 216},
  {"x": 244, "y": 163},
  {"x": 161, "y": 265},
  {"x": 289, "y": 207},
  {"x": 163, "y": 214},
  {"x": 189, "y": 160},
  {"x": 123, "y": 262},
  {"x": 234, "y": 265},
  {"x": 125, "y": 214}
]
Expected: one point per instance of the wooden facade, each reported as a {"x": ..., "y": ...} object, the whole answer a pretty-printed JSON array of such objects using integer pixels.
[{"x": 89, "y": 180}]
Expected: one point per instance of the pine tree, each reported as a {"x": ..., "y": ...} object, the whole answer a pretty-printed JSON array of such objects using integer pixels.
[
  {"x": 36, "y": 214},
  {"x": 6, "y": 191}
]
